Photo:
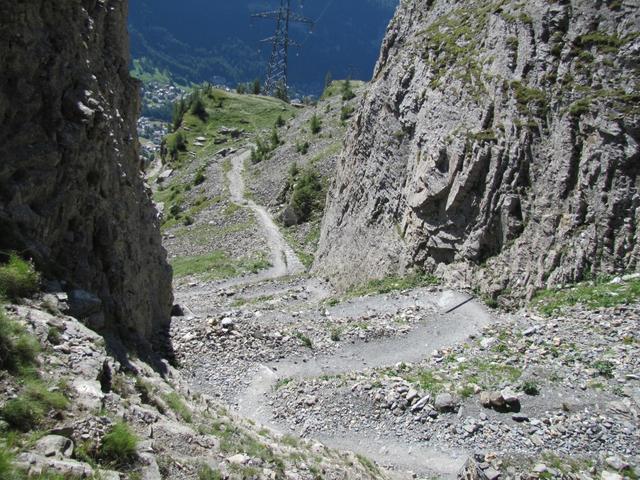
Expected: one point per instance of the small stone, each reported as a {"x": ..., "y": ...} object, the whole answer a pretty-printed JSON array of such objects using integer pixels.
[
  {"x": 485, "y": 399},
  {"x": 445, "y": 402},
  {"x": 510, "y": 396},
  {"x": 227, "y": 323},
  {"x": 411, "y": 394},
  {"x": 517, "y": 417},
  {"x": 420, "y": 404},
  {"x": 540, "y": 468},
  {"x": 616, "y": 463},
  {"x": 177, "y": 311},
  {"x": 492, "y": 474},
  {"x": 607, "y": 475},
  {"x": 54, "y": 446},
  {"x": 238, "y": 459},
  {"x": 497, "y": 400}
]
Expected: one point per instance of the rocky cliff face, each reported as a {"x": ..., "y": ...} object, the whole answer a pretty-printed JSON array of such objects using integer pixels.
[
  {"x": 497, "y": 147},
  {"x": 71, "y": 194}
]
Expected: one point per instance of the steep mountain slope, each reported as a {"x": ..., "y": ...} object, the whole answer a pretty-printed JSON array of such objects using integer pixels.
[
  {"x": 219, "y": 42},
  {"x": 71, "y": 194},
  {"x": 497, "y": 147}
]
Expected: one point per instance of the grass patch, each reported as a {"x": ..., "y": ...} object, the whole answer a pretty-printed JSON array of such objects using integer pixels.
[
  {"x": 18, "y": 349},
  {"x": 393, "y": 283},
  {"x": 176, "y": 404},
  {"x": 598, "y": 294},
  {"x": 18, "y": 278},
  {"x": 207, "y": 473},
  {"x": 218, "y": 110},
  {"x": 119, "y": 445},
  {"x": 306, "y": 341},
  {"x": 30, "y": 409},
  {"x": 235, "y": 440},
  {"x": 217, "y": 265}
]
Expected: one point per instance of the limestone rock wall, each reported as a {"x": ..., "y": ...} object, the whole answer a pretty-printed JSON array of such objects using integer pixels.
[
  {"x": 71, "y": 192},
  {"x": 497, "y": 147}
]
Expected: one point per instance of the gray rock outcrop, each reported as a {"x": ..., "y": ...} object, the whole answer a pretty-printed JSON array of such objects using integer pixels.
[
  {"x": 71, "y": 193},
  {"x": 497, "y": 147}
]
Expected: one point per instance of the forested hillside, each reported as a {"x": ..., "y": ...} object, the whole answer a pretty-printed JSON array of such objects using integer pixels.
[{"x": 219, "y": 42}]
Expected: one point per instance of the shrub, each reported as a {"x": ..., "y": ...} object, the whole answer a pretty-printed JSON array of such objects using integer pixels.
[
  {"x": 346, "y": 112},
  {"x": 530, "y": 387},
  {"x": 275, "y": 139},
  {"x": 347, "y": 92},
  {"x": 604, "y": 368},
  {"x": 18, "y": 278},
  {"x": 207, "y": 473},
  {"x": 199, "y": 178},
  {"x": 307, "y": 195},
  {"x": 53, "y": 336},
  {"x": 119, "y": 445},
  {"x": 260, "y": 152},
  {"x": 306, "y": 341},
  {"x": 279, "y": 121},
  {"x": 315, "y": 124},
  {"x": 18, "y": 350},
  {"x": 294, "y": 170},
  {"x": 302, "y": 148},
  {"x": 255, "y": 87},
  {"x": 198, "y": 107}
]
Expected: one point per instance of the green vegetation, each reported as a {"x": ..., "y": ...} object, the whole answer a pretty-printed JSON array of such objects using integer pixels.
[
  {"x": 30, "y": 408},
  {"x": 369, "y": 465},
  {"x": 600, "y": 40},
  {"x": 341, "y": 87},
  {"x": 604, "y": 368},
  {"x": 262, "y": 150},
  {"x": 308, "y": 194},
  {"x": 345, "y": 112},
  {"x": 18, "y": 278},
  {"x": 147, "y": 73},
  {"x": 531, "y": 101},
  {"x": 306, "y": 341},
  {"x": 335, "y": 334},
  {"x": 176, "y": 404},
  {"x": 393, "y": 283},
  {"x": 207, "y": 473},
  {"x": 217, "y": 265},
  {"x": 212, "y": 113},
  {"x": 530, "y": 387},
  {"x": 18, "y": 349},
  {"x": 347, "y": 91},
  {"x": 302, "y": 148},
  {"x": 234, "y": 440},
  {"x": 119, "y": 445},
  {"x": 593, "y": 294},
  {"x": 315, "y": 124}
]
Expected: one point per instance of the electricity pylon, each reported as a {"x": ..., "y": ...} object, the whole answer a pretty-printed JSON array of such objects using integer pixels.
[{"x": 278, "y": 70}]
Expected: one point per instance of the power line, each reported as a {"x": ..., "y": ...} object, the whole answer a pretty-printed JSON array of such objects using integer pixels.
[{"x": 278, "y": 69}]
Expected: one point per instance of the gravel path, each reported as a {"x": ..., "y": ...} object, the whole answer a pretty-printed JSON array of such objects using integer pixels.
[
  {"x": 283, "y": 259},
  {"x": 438, "y": 331}
]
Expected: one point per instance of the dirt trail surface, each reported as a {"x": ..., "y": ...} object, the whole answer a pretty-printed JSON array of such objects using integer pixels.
[
  {"x": 283, "y": 259},
  {"x": 251, "y": 330},
  {"x": 436, "y": 332}
]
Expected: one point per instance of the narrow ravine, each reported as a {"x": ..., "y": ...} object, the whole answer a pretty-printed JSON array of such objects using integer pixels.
[{"x": 435, "y": 331}]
